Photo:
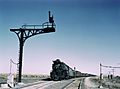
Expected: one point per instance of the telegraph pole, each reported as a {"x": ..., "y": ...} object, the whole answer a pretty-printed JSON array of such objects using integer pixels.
[
  {"x": 28, "y": 31},
  {"x": 75, "y": 72},
  {"x": 100, "y": 76},
  {"x": 113, "y": 70}
]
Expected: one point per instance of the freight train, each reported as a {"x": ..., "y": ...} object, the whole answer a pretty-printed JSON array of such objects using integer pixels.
[{"x": 61, "y": 71}]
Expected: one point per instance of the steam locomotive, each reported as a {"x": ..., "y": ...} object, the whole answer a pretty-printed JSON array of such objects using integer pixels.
[{"x": 61, "y": 71}]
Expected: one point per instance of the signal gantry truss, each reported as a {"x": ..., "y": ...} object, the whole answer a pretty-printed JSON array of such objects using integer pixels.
[{"x": 31, "y": 30}]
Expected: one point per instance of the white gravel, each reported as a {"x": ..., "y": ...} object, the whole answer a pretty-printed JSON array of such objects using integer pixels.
[{"x": 91, "y": 85}]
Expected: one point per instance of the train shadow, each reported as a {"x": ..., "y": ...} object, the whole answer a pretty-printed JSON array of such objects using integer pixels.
[{"x": 47, "y": 79}]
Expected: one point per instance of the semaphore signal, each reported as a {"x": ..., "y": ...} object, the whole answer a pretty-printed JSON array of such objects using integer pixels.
[{"x": 27, "y": 31}]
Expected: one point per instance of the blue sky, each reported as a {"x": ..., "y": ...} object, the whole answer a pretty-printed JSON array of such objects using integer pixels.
[{"x": 87, "y": 33}]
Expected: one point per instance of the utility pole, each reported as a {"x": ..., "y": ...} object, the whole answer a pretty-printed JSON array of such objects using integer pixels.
[
  {"x": 28, "y": 31},
  {"x": 100, "y": 71},
  {"x": 100, "y": 75},
  {"x": 75, "y": 72}
]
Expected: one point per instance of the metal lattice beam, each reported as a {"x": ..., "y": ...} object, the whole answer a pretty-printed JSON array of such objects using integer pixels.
[{"x": 31, "y": 32}]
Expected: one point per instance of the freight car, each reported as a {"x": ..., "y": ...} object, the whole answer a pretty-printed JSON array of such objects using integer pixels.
[{"x": 62, "y": 71}]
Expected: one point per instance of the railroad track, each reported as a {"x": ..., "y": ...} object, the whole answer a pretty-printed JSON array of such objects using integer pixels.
[
  {"x": 69, "y": 84},
  {"x": 78, "y": 83},
  {"x": 81, "y": 84},
  {"x": 64, "y": 84},
  {"x": 47, "y": 85},
  {"x": 37, "y": 85}
]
